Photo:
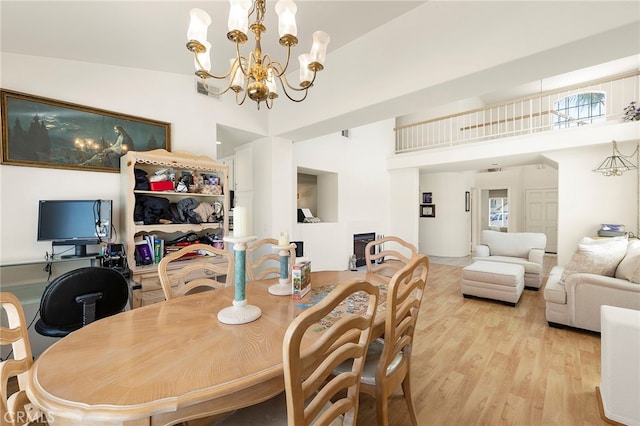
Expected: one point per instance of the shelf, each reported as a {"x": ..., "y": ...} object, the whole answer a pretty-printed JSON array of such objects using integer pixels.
[
  {"x": 153, "y": 268},
  {"x": 177, "y": 227},
  {"x": 180, "y": 194}
]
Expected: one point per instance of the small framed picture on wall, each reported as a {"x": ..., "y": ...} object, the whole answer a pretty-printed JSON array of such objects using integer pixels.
[
  {"x": 427, "y": 210},
  {"x": 427, "y": 198}
]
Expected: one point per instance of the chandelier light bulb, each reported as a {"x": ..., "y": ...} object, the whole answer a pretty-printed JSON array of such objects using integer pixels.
[
  {"x": 306, "y": 75},
  {"x": 286, "y": 10},
  {"x": 198, "y": 25},
  {"x": 271, "y": 84},
  {"x": 239, "y": 15},
  {"x": 202, "y": 60},
  {"x": 237, "y": 78},
  {"x": 319, "y": 47}
]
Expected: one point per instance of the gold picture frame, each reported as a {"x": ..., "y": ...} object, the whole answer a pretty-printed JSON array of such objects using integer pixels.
[{"x": 43, "y": 132}]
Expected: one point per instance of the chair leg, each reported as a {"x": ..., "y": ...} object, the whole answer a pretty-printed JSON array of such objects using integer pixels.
[
  {"x": 382, "y": 408},
  {"x": 406, "y": 389}
]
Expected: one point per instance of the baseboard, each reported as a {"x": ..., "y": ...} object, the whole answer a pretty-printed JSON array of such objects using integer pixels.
[{"x": 601, "y": 409}]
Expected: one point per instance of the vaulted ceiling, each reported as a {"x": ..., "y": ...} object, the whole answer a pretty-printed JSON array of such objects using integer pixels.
[{"x": 386, "y": 59}]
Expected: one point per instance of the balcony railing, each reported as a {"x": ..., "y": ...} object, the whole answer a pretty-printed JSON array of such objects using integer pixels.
[{"x": 517, "y": 117}]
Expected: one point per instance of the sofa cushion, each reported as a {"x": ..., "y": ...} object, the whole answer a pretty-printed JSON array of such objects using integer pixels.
[
  {"x": 629, "y": 267},
  {"x": 516, "y": 244},
  {"x": 597, "y": 256},
  {"x": 529, "y": 267},
  {"x": 554, "y": 290}
]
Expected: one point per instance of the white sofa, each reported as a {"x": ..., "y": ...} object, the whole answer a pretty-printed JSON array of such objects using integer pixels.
[
  {"x": 521, "y": 248},
  {"x": 574, "y": 299}
]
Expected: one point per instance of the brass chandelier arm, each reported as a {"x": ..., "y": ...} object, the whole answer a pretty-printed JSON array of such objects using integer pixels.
[
  {"x": 242, "y": 59},
  {"x": 280, "y": 73},
  {"x": 286, "y": 84},
  {"x": 276, "y": 64},
  {"x": 244, "y": 95}
]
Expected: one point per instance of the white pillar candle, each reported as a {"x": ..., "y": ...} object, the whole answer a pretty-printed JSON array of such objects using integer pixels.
[
  {"x": 284, "y": 239},
  {"x": 239, "y": 221}
]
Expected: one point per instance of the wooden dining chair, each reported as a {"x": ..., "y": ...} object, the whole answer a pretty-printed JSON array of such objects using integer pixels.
[
  {"x": 16, "y": 408},
  {"x": 388, "y": 361},
  {"x": 264, "y": 262},
  {"x": 313, "y": 394},
  {"x": 195, "y": 268},
  {"x": 387, "y": 255}
]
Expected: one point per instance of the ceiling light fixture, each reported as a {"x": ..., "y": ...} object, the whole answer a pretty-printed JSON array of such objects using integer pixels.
[
  {"x": 255, "y": 76},
  {"x": 617, "y": 163}
]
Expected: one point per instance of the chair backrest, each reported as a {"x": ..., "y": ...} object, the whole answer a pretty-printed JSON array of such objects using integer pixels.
[
  {"x": 195, "y": 268},
  {"x": 263, "y": 262},
  {"x": 404, "y": 297},
  {"x": 306, "y": 374},
  {"x": 78, "y": 297},
  {"x": 387, "y": 255},
  {"x": 15, "y": 408}
]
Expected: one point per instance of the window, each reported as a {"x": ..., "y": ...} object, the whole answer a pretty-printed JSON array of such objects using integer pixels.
[
  {"x": 580, "y": 109},
  {"x": 499, "y": 212}
]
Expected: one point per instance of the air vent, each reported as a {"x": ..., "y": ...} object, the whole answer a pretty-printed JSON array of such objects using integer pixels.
[{"x": 200, "y": 89}]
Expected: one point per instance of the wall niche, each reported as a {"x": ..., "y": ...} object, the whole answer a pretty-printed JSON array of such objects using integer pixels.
[{"x": 317, "y": 192}]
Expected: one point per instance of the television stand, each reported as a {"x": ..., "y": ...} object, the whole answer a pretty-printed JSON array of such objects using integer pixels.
[{"x": 80, "y": 248}]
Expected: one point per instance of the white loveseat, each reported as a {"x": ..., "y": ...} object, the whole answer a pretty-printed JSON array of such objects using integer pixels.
[
  {"x": 599, "y": 273},
  {"x": 521, "y": 248}
]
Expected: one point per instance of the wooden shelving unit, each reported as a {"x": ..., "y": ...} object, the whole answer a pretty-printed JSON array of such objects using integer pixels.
[{"x": 151, "y": 162}]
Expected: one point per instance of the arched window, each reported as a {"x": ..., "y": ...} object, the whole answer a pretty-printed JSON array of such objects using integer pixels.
[{"x": 580, "y": 109}]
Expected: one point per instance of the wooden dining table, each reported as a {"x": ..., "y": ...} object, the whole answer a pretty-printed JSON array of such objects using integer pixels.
[{"x": 172, "y": 361}]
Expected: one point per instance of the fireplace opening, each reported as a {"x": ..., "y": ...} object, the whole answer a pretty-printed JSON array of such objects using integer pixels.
[{"x": 360, "y": 241}]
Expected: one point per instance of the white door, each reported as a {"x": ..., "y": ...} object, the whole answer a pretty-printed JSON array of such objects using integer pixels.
[{"x": 542, "y": 215}]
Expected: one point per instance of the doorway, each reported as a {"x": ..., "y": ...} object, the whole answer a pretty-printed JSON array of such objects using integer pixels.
[
  {"x": 490, "y": 211},
  {"x": 541, "y": 215}
]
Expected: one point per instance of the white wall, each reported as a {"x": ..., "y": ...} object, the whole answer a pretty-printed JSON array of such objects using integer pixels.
[
  {"x": 449, "y": 233},
  {"x": 403, "y": 217},
  {"x": 154, "y": 95},
  {"x": 586, "y": 199},
  {"x": 363, "y": 190},
  {"x": 273, "y": 191}
]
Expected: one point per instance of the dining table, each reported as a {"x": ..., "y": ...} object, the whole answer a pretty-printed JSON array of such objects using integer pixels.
[{"x": 173, "y": 361}]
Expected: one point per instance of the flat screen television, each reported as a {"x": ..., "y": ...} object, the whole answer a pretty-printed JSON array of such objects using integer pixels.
[{"x": 76, "y": 223}]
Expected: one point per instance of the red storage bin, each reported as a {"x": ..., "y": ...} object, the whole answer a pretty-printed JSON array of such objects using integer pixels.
[{"x": 164, "y": 185}]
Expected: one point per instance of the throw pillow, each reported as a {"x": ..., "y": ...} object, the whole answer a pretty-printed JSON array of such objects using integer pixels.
[
  {"x": 629, "y": 267},
  {"x": 596, "y": 256}
]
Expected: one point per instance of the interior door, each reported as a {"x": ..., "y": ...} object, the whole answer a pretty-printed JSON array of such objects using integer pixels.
[{"x": 541, "y": 215}]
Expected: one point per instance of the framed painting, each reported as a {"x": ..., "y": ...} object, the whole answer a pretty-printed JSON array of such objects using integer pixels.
[
  {"x": 427, "y": 210},
  {"x": 427, "y": 198},
  {"x": 42, "y": 132}
]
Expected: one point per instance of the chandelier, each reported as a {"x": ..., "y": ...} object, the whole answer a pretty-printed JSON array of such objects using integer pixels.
[
  {"x": 617, "y": 163},
  {"x": 255, "y": 75}
]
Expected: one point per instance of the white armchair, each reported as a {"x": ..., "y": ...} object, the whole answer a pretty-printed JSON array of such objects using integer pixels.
[{"x": 521, "y": 248}]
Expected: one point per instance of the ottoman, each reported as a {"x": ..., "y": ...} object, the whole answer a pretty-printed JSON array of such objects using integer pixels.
[{"x": 493, "y": 280}]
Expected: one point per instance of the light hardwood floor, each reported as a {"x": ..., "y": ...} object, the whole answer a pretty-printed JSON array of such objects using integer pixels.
[{"x": 477, "y": 362}]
